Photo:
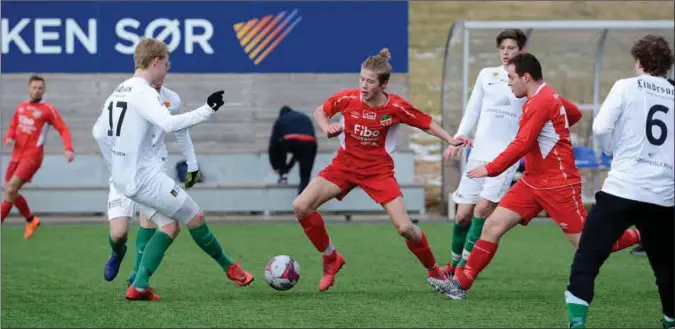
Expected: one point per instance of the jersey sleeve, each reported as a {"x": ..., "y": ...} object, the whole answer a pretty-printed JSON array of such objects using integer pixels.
[
  {"x": 56, "y": 120},
  {"x": 336, "y": 103},
  {"x": 11, "y": 130},
  {"x": 530, "y": 128},
  {"x": 472, "y": 110},
  {"x": 572, "y": 112},
  {"x": 409, "y": 115},
  {"x": 152, "y": 109},
  {"x": 603, "y": 124}
]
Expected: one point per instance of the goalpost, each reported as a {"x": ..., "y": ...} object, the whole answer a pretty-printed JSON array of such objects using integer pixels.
[{"x": 580, "y": 59}]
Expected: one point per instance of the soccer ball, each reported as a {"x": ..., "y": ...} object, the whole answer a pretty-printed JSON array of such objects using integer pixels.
[{"x": 282, "y": 272}]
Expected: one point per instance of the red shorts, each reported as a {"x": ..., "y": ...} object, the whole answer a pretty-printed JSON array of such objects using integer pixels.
[
  {"x": 563, "y": 204},
  {"x": 23, "y": 168},
  {"x": 381, "y": 188}
]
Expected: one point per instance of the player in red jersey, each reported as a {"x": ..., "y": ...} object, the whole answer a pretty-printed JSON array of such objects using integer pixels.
[
  {"x": 551, "y": 180},
  {"x": 28, "y": 131},
  {"x": 370, "y": 123}
]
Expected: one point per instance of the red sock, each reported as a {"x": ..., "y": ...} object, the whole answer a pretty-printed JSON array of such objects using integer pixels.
[
  {"x": 480, "y": 257},
  {"x": 315, "y": 230},
  {"x": 22, "y": 207},
  {"x": 6, "y": 207},
  {"x": 627, "y": 239},
  {"x": 422, "y": 251}
]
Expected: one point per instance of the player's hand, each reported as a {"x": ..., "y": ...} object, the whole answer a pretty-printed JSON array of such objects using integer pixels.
[
  {"x": 9, "y": 142},
  {"x": 333, "y": 130},
  {"x": 70, "y": 156},
  {"x": 191, "y": 178},
  {"x": 478, "y": 172},
  {"x": 452, "y": 152},
  {"x": 467, "y": 141},
  {"x": 215, "y": 101}
]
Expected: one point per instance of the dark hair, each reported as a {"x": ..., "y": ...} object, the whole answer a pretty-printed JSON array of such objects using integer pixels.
[
  {"x": 35, "y": 77},
  {"x": 527, "y": 63},
  {"x": 654, "y": 54},
  {"x": 514, "y": 34}
]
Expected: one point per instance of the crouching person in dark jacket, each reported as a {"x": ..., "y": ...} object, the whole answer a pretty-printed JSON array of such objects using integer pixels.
[{"x": 293, "y": 133}]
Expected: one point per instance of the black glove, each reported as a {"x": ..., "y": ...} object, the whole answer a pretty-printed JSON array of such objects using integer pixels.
[
  {"x": 215, "y": 101},
  {"x": 191, "y": 178}
]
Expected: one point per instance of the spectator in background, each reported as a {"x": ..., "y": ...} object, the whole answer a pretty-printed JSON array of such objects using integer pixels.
[{"x": 293, "y": 132}]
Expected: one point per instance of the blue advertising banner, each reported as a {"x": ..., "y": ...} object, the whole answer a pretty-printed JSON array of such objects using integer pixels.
[{"x": 203, "y": 36}]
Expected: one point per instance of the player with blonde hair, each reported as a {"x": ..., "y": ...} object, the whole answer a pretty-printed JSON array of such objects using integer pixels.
[
  {"x": 370, "y": 124},
  {"x": 136, "y": 114}
]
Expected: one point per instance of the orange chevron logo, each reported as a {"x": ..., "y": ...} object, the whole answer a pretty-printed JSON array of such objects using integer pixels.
[{"x": 259, "y": 36}]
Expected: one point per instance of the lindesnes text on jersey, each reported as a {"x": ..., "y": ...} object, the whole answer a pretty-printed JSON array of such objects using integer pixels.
[{"x": 656, "y": 88}]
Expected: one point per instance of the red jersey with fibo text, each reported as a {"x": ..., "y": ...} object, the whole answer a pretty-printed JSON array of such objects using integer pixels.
[
  {"x": 544, "y": 139},
  {"x": 370, "y": 133},
  {"x": 29, "y": 127}
]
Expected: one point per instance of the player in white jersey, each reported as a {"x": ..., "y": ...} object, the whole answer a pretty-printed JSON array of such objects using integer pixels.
[
  {"x": 135, "y": 111},
  {"x": 494, "y": 112},
  {"x": 636, "y": 124},
  {"x": 121, "y": 209}
]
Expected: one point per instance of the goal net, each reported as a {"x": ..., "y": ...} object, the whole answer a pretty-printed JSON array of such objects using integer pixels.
[{"x": 580, "y": 59}]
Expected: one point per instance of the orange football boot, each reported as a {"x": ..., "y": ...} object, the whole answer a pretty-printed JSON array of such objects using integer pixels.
[
  {"x": 331, "y": 265},
  {"x": 31, "y": 227},
  {"x": 239, "y": 275},
  {"x": 147, "y": 294}
]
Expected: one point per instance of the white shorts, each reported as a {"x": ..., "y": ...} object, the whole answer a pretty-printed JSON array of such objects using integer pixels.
[
  {"x": 165, "y": 197},
  {"x": 470, "y": 190},
  {"x": 119, "y": 205}
]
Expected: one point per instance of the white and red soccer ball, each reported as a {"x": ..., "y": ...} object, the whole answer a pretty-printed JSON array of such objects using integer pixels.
[{"x": 282, "y": 272}]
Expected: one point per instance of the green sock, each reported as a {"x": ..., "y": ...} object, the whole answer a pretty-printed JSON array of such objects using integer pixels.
[
  {"x": 118, "y": 247},
  {"x": 204, "y": 238},
  {"x": 142, "y": 237},
  {"x": 152, "y": 257},
  {"x": 471, "y": 238},
  {"x": 577, "y": 315},
  {"x": 668, "y": 322},
  {"x": 459, "y": 232}
]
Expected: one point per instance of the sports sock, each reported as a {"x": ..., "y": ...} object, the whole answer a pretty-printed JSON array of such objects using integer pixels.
[
  {"x": 5, "y": 209},
  {"x": 22, "y": 207},
  {"x": 422, "y": 251},
  {"x": 152, "y": 257},
  {"x": 205, "y": 239},
  {"x": 459, "y": 233},
  {"x": 479, "y": 259},
  {"x": 474, "y": 234},
  {"x": 315, "y": 230},
  {"x": 119, "y": 247},
  {"x": 142, "y": 237},
  {"x": 577, "y": 310},
  {"x": 627, "y": 239},
  {"x": 668, "y": 322}
]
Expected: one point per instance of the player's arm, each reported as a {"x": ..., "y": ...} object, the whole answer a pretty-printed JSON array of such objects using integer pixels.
[
  {"x": 605, "y": 120},
  {"x": 472, "y": 110},
  {"x": 526, "y": 139},
  {"x": 11, "y": 130},
  {"x": 152, "y": 109},
  {"x": 61, "y": 127},
  {"x": 572, "y": 111},
  {"x": 333, "y": 105},
  {"x": 418, "y": 119}
]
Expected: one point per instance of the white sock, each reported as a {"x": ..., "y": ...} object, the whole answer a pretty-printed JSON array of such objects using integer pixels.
[
  {"x": 571, "y": 299},
  {"x": 665, "y": 317},
  {"x": 329, "y": 250}
]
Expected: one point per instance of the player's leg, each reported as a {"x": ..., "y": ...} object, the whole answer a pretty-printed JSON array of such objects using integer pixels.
[
  {"x": 657, "y": 227},
  {"x": 382, "y": 191},
  {"x": 21, "y": 172},
  {"x": 120, "y": 212},
  {"x": 466, "y": 196},
  {"x": 491, "y": 192},
  {"x": 517, "y": 206},
  {"x": 146, "y": 230},
  {"x": 609, "y": 217},
  {"x": 329, "y": 184}
]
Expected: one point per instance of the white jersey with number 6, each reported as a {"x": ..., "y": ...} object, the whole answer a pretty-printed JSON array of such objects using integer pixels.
[
  {"x": 134, "y": 110},
  {"x": 636, "y": 124}
]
